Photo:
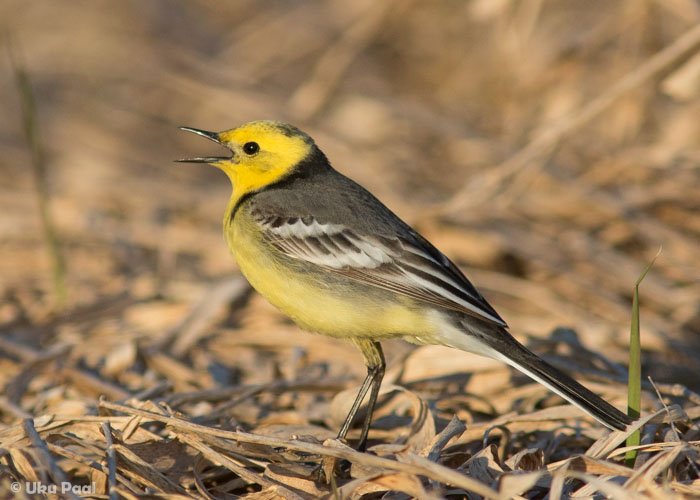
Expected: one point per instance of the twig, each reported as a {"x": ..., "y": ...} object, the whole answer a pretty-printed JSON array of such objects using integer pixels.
[
  {"x": 7, "y": 406},
  {"x": 145, "y": 471},
  {"x": 191, "y": 327},
  {"x": 605, "y": 446},
  {"x": 244, "y": 391},
  {"x": 332, "y": 448},
  {"x": 454, "y": 429},
  {"x": 17, "y": 386},
  {"x": 655, "y": 466},
  {"x": 44, "y": 456},
  {"x": 201, "y": 316},
  {"x": 243, "y": 472},
  {"x": 673, "y": 424},
  {"x": 679, "y": 390},
  {"x": 88, "y": 462},
  {"x": 277, "y": 386},
  {"x": 485, "y": 186},
  {"x": 149, "y": 392},
  {"x": 89, "y": 382},
  {"x": 111, "y": 462}
]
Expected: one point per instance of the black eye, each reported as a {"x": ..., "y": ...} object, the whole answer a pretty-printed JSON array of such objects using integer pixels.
[{"x": 250, "y": 148}]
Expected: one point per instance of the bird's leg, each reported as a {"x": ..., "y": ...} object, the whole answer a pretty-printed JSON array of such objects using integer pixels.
[
  {"x": 374, "y": 360},
  {"x": 376, "y": 372}
]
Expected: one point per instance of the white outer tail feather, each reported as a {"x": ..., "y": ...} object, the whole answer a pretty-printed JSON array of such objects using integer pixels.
[{"x": 458, "y": 338}]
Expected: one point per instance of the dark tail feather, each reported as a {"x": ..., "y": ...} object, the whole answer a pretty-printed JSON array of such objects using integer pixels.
[
  {"x": 494, "y": 341},
  {"x": 522, "y": 359}
]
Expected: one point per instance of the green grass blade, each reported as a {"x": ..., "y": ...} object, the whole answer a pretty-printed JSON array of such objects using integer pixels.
[
  {"x": 634, "y": 384},
  {"x": 31, "y": 130}
]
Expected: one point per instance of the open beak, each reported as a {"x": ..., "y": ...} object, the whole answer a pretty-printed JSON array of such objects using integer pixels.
[{"x": 212, "y": 136}]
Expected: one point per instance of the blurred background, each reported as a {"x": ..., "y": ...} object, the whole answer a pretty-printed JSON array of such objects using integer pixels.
[{"x": 500, "y": 129}]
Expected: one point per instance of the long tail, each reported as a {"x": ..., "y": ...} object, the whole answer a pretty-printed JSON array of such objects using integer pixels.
[{"x": 497, "y": 343}]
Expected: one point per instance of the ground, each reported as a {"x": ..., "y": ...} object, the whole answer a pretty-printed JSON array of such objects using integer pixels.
[{"x": 549, "y": 148}]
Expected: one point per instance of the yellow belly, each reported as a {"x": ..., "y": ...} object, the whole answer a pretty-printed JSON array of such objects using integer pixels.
[{"x": 320, "y": 300}]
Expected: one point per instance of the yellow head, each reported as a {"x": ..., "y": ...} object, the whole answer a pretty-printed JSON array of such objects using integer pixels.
[{"x": 262, "y": 152}]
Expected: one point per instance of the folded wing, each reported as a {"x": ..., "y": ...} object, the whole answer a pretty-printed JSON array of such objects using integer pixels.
[{"x": 406, "y": 264}]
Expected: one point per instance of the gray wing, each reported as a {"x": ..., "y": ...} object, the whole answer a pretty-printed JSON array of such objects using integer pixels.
[{"x": 408, "y": 264}]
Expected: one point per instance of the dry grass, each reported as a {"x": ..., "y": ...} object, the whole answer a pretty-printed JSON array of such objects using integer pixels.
[{"x": 549, "y": 148}]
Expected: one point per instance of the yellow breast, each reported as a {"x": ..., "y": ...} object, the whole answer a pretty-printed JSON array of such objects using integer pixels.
[{"x": 317, "y": 299}]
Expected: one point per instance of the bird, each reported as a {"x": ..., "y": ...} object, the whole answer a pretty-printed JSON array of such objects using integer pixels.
[{"x": 337, "y": 261}]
